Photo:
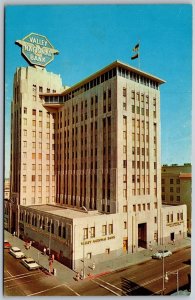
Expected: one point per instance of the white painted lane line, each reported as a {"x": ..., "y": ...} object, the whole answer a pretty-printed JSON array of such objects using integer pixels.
[
  {"x": 175, "y": 261},
  {"x": 157, "y": 293},
  {"x": 105, "y": 287},
  {"x": 110, "y": 284},
  {"x": 72, "y": 290},
  {"x": 55, "y": 287},
  {"x": 24, "y": 276},
  {"x": 11, "y": 286},
  {"x": 9, "y": 274},
  {"x": 18, "y": 275}
]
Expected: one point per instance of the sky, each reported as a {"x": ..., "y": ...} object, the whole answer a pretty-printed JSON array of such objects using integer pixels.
[{"x": 89, "y": 37}]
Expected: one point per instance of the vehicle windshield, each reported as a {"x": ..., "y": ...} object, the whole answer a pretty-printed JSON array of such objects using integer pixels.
[
  {"x": 16, "y": 250},
  {"x": 31, "y": 262}
]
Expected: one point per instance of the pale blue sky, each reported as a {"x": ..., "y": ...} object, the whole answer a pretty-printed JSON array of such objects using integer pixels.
[{"x": 89, "y": 37}]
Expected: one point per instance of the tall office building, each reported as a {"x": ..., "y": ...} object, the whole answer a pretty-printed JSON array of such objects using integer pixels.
[
  {"x": 85, "y": 163},
  {"x": 32, "y": 129},
  {"x": 107, "y": 140}
]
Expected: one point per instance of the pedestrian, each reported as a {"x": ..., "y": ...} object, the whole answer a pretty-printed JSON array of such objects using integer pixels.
[
  {"x": 44, "y": 250},
  {"x": 77, "y": 276}
]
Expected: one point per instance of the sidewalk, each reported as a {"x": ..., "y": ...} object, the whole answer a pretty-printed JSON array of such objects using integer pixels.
[{"x": 64, "y": 274}]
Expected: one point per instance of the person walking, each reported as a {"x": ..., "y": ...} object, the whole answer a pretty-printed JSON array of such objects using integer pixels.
[{"x": 44, "y": 251}]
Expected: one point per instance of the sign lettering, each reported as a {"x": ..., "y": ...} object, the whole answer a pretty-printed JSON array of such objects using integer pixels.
[{"x": 37, "y": 49}]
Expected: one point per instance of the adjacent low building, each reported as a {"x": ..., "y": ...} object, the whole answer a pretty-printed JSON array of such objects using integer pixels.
[
  {"x": 74, "y": 235},
  {"x": 177, "y": 187}
]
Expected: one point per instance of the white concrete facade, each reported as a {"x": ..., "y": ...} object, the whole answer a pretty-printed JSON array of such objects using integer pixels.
[{"x": 92, "y": 147}]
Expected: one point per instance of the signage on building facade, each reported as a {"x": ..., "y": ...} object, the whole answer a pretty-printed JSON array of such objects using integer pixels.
[
  {"x": 37, "y": 49},
  {"x": 98, "y": 240}
]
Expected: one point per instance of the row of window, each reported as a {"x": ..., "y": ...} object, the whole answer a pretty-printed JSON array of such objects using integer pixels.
[
  {"x": 171, "y": 181},
  {"x": 171, "y": 189},
  {"x": 40, "y": 89},
  {"x": 36, "y": 112},
  {"x": 100, "y": 79},
  {"x": 138, "y": 78},
  {"x": 141, "y": 207},
  {"x": 39, "y": 200},
  {"x": 170, "y": 198},
  {"x": 43, "y": 224},
  {"x": 90, "y": 232},
  {"x": 141, "y": 164},
  {"x": 170, "y": 218},
  {"x": 39, "y": 188},
  {"x": 39, "y": 177},
  {"x": 39, "y": 156}
]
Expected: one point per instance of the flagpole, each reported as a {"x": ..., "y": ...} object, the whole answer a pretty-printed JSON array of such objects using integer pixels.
[{"x": 139, "y": 56}]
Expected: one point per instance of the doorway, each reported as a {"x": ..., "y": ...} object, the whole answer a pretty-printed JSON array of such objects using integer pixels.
[
  {"x": 13, "y": 222},
  {"x": 125, "y": 245},
  {"x": 172, "y": 236},
  {"x": 142, "y": 235}
]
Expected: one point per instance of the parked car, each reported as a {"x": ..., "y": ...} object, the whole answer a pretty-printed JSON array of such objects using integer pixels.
[
  {"x": 16, "y": 252},
  {"x": 7, "y": 244},
  {"x": 162, "y": 253},
  {"x": 30, "y": 264}
]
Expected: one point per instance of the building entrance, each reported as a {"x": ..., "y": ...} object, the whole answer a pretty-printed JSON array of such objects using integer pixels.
[
  {"x": 125, "y": 244},
  {"x": 13, "y": 222},
  {"x": 172, "y": 236},
  {"x": 142, "y": 235}
]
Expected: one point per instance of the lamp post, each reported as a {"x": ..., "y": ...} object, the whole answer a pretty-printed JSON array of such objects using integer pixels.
[
  {"x": 83, "y": 255},
  {"x": 174, "y": 273},
  {"x": 48, "y": 226},
  {"x": 163, "y": 274}
]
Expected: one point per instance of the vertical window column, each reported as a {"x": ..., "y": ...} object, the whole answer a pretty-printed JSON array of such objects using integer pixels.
[{"x": 124, "y": 155}]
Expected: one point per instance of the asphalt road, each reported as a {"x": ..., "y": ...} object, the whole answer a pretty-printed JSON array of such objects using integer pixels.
[
  {"x": 18, "y": 281},
  {"x": 141, "y": 279}
]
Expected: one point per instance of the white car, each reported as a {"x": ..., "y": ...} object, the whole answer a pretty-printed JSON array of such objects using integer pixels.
[
  {"x": 29, "y": 263},
  {"x": 16, "y": 252},
  {"x": 162, "y": 253}
]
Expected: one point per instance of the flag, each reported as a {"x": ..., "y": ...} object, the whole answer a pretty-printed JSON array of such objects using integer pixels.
[
  {"x": 135, "y": 56},
  {"x": 136, "y": 48}
]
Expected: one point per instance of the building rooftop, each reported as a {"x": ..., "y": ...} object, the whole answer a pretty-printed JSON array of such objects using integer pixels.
[
  {"x": 116, "y": 63},
  {"x": 176, "y": 165},
  {"x": 185, "y": 175},
  {"x": 64, "y": 212}
]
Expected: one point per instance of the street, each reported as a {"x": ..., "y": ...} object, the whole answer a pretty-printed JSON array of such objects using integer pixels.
[
  {"x": 18, "y": 281},
  {"x": 142, "y": 279}
]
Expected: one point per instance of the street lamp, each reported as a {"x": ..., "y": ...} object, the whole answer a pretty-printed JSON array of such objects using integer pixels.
[
  {"x": 48, "y": 226},
  {"x": 174, "y": 273},
  {"x": 163, "y": 273},
  {"x": 83, "y": 255}
]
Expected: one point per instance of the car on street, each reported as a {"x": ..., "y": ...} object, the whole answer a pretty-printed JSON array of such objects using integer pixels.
[
  {"x": 7, "y": 244},
  {"x": 162, "y": 253},
  {"x": 30, "y": 264},
  {"x": 16, "y": 252}
]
